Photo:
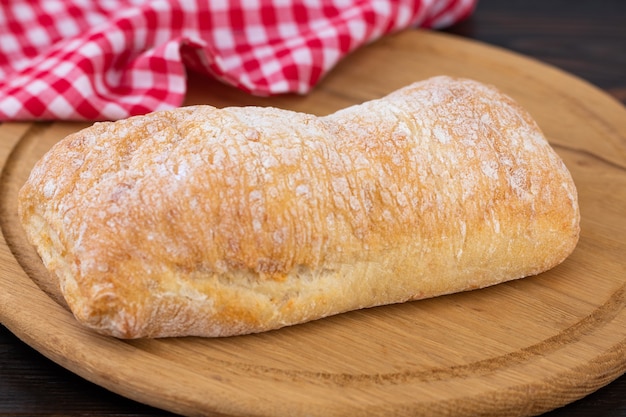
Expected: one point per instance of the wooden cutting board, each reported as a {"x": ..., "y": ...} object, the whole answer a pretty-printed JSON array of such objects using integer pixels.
[{"x": 519, "y": 348}]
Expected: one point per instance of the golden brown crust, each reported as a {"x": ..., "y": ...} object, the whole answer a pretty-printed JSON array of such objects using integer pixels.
[{"x": 213, "y": 222}]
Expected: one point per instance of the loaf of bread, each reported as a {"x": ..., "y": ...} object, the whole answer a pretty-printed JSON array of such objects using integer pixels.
[{"x": 215, "y": 222}]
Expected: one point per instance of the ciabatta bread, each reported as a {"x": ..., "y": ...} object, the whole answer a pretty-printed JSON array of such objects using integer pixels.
[{"x": 214, "y": 222}]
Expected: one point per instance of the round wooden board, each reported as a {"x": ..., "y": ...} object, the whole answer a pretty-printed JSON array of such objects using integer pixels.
[{"x": 519, "y": 348}]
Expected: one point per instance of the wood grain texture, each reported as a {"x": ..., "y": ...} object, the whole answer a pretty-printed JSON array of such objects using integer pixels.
[{"x": 520, "y": 348}]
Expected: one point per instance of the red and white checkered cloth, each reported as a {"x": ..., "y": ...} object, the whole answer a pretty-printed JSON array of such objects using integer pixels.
[{"x": 110, "y": 59}]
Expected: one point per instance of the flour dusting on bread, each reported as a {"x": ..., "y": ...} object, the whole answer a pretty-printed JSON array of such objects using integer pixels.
[{"x": 215, "y": 222}]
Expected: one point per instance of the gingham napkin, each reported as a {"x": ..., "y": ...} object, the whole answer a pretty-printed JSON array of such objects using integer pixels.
[{"x": 110, "y": 59}]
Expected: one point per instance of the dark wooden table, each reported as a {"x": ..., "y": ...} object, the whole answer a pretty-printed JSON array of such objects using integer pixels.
[{"x": 585, "y": 38}]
